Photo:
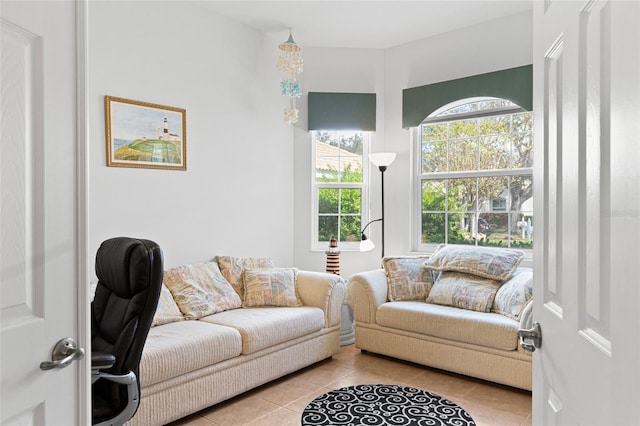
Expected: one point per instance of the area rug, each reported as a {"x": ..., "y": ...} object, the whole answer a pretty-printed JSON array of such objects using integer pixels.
[{"x": 383, "y": 405}]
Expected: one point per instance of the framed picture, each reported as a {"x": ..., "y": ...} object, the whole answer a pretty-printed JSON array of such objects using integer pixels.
[{"x": 145, "y": 135}]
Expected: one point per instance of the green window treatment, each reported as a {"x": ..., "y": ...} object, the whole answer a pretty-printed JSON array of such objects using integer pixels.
[
  {"x": 514, "y": 84},
  {"x": 342, "y": 111}
]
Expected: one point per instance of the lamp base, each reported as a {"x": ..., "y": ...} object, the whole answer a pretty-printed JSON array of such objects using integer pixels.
[{"x": 347, "y": 333}]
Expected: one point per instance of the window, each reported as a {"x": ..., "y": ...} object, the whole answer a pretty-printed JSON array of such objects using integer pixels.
[
  {"x": 475, "y": 175},
  {"x": 339, "y": 187}
]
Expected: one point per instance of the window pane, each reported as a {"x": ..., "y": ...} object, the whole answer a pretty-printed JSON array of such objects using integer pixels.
[
  {"x": 458, "y": 229},
  {"x": 327, "y": 227},
  {"x": 462, "y": 194},
  {"x": 490, "y": 188},
  {"x": 434, "y": 132},
  {"x": 327, "y": 169},
  {"x": 463, "y": 155},
  {"x": 522, "y": 150},
  {"x": 463, "y": 128},
  {"x": 494, "y": 153},
  {"x": 350, "y": 228},
  {"x": 328, "y": 200},
  {"x": 497, "y": 125},
  {"x": 351, "y": 143},
  {"x": 523, "y": 122},
  {"x": 434, "y": 196},
  {"x": 338, "y": 156},
  {"x": 433, "y": 228},
  {"x": 350, "y": 201},
  {"x": 491, "y": 229},
  {"x": 521, "y": 212},
  {"x": 434, "y": 157}
]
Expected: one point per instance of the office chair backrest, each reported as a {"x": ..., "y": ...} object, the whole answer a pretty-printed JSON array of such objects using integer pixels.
[{"x": 129, "y": 275}]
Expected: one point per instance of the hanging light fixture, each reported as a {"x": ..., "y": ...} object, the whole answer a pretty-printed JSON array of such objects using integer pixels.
[{"x": 291, "y": 64}]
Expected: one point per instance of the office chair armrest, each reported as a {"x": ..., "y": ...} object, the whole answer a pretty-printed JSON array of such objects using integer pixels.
[
  {"x": 133, "y": 396},
  {"x": 102, "y": 361}
]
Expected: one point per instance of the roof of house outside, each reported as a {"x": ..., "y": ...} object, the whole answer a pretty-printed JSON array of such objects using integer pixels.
[{"x": 330, "y": 157}]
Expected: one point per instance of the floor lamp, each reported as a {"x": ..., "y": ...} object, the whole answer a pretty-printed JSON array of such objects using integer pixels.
[{"x": 382, "y": 160}]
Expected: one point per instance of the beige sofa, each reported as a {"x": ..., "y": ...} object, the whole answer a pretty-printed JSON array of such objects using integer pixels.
[
  {"x": 479, "y": 344},
  {"x": 188, "y": 365}
]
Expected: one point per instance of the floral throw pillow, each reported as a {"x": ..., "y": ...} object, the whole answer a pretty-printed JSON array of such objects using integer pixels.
[
  {"x": 495, "y": 263},
  {"x": 167, "y": 310},
  {"x": 270, "y": 287},
  {"x": 232, "y": 267},
  {"x": 464, "y": 291},
  {"x": 407, "y": 278},
  {"x": 200, "y": 289},
  {"x": 514, "y": 295}
]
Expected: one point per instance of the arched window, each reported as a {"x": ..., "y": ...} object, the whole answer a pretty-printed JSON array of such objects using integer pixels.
[{"x": 474, "y": 180}]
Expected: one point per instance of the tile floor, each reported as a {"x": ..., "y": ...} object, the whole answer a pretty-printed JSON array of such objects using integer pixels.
[{"x": 281, "y": 402}]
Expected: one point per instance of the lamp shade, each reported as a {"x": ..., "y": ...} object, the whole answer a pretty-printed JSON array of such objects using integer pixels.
[
  {"x": 382, "y": 158},
  {"x": 367, "y": 245}
]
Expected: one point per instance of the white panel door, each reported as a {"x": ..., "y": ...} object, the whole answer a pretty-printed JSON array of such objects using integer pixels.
[
  {"x": 41, "y": 257},
  {"x": 587, "y": 212}
]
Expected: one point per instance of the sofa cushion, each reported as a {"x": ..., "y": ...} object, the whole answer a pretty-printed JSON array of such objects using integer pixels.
[
  {"x": 495, "y": 263},
  {"x": 464, "y": 291},
  {"x": 514, "y": 295},
  {"x": 200, "y": 289},
  {"x": 407, "y": 278},
  {"x": 264, "y": 327},
  {"x": 232, "y": 267},
  {"x": 180, "y": 347},
  {"x": 270, "y": 287},
  {"x": 167, "y": 310},
  {"x": 461, "y": 325}
]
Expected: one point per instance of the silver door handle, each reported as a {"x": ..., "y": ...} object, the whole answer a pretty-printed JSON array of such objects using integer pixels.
[
  {"x": 64, "y": 353},
  {"x": 534, "y": 335}
]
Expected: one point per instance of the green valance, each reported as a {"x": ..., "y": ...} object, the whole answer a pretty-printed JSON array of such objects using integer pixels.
[
  {"x": 342, "y": 111},
  {"x": 514, "y": 84}
]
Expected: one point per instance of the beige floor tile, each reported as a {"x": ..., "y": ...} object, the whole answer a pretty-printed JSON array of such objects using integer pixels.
[
  {"x": 484, "y": 416},
  {"x": 286, "y": 391},
  {"x": 280, "y": 417},
  {"x": 240, "y": 411},
  {"x": 324, "y": 374},
  {"x": 301, "y": 403},
  {"x": 500, "y": 398}
]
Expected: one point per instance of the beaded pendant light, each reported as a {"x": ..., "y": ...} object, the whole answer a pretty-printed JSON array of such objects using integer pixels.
[{"x": 291, "y": 64}]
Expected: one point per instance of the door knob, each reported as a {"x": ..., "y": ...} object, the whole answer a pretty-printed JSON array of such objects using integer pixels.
[
  {"x": 534, "y": 335},
  {"x": 64, "y": 353}
]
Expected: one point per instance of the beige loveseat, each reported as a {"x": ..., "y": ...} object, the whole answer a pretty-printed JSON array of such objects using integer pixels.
[
  {"x": 191, "y": 363},
  {"x": 482, "y": 344}
]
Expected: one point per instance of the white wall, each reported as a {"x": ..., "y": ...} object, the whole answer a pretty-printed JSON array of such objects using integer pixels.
[
  {"x": 236, "y": 197},
  {"x": 496, "y": 45}
]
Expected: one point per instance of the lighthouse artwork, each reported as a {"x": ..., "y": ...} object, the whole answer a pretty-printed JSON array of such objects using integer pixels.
[{"x": 145, "y": 135}]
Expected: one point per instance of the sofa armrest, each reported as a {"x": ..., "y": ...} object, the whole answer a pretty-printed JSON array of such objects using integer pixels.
[
  {"x": 322, "y": 290},
  {"x": 366, "y": 291},
  {"x": 526, "y": 317}
]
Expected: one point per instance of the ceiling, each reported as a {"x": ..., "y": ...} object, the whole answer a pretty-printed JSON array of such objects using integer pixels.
[{"x": 361, "y": 23}]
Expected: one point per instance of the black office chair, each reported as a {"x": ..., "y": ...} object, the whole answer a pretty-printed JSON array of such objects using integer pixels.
[{"x": 129, "y": 272}]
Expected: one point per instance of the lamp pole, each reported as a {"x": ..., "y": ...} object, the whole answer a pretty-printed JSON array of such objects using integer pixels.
[{"x": 382, "y": 170}]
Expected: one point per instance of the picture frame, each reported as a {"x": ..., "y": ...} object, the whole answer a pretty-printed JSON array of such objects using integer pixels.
[{"x": 145, "y": 135}]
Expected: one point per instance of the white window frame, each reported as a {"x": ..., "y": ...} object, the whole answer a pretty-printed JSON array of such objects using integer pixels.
[
  {"x": 364, "y": 198},
  {"x": 417, "y": 175}
]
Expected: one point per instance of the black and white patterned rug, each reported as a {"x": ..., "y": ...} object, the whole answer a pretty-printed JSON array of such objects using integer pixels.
[{"x": 383, "y": 405}]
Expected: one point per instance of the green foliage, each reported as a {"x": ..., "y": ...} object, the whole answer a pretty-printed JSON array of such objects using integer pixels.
[{"x": 339, "y": 208}]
